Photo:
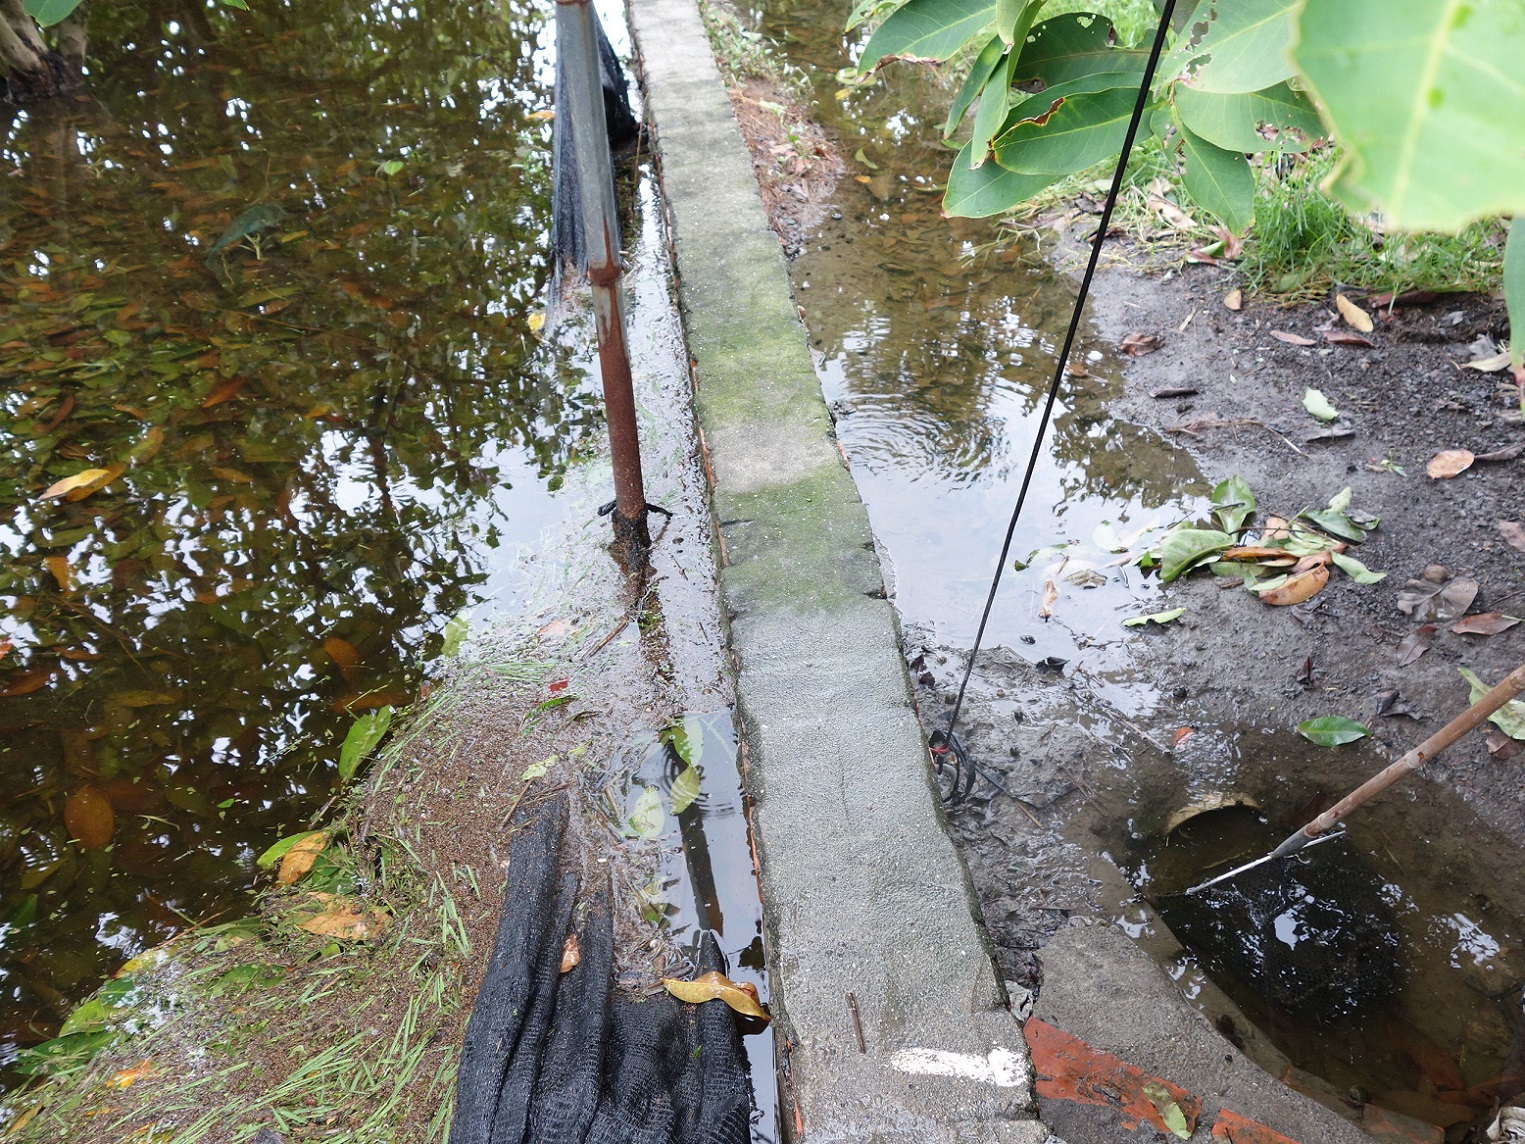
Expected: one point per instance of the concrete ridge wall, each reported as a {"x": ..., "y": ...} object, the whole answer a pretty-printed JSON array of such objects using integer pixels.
[{"x": 869, "y": 906}]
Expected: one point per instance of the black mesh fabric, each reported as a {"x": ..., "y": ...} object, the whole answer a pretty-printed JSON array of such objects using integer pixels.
[
  {"x": 557, "y": 1058},
  {"x": 1312, "y": 933}
]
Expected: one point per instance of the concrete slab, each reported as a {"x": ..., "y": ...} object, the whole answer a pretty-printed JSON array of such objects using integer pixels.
[{"x": 871, "y": 914}]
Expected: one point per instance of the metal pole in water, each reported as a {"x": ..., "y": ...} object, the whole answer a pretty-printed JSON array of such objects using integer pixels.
[{"x": 582, "y": 102}]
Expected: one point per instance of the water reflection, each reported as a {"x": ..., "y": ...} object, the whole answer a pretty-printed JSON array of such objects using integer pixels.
[
  {"x": 279, "y": 468},
  {"x": 935, "y": 351}
]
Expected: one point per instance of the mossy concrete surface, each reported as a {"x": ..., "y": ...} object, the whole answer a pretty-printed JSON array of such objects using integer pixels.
[{"x": 870, "y": 912}]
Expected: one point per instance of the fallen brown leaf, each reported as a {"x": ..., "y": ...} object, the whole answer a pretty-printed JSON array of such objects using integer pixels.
[
  {"x": 1514, "y": 532},
  {"x": 1300, "y": 587},
  {"x": 1253, "y": 552},
  {"x": 1507, "y": 453},
  {"x": 1347, "y": 338},
  {"x": 1174, "y": 391},
  {"x": 1292, "y": 339},
  {"x": 1415, "y": 644},
  {"x": 1450, "y": 463},
  {"x": 1490, "y": 364},
  {"x": 1137, "y": 345},
  {"x": 1502, "y": 747},
  {"x": 89, "y": 817},
  {"x": 1181, "y": 735},
  {"x": 297, "y": 861},
  {"x": 717, "y": 987},
  {"x": 1313, "y": 560},
  {"x": 571, "y": 954},
  {"x": 1050, "y": 598},
  {"x": 1234, "y": 299},
  {"x": 1355, "y": 317},
  {"x": 1484, "y": 624},
  {"x": 343, "y": 919}
]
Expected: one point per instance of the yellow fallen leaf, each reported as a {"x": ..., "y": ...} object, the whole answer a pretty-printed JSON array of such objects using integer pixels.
[
  {"x": 62, "y": 573},
  {"x": 1234, "y": 299},
  {"x": 343, "y": 919},
  {"x": 1450, "y": 463},
  {"x": 543, "y": 113},
  {"x": 126, "y": 1078},
  {"x": 299, "y": 859},
  {"x": 77, "y": 481},
  {"x": 1302, "y": 586},
  {"x": 1355, "y": 317},
  {"x": 537, "y": 321},
  {"x": 717, "y": 987}
]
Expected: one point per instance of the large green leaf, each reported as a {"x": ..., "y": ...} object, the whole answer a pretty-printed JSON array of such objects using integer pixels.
[
  {"x": 990, "y": 57},
  {"x": 1080, "y": 131},
  {"x": 1514, "y": 292},
  {"x": 1071, "y": 46},
  {"x": 1245, "y": 46},
  {"x": 49, "y": 12},
  {"x": 1219, "y": 180},
  {"x": 1332, "y": 730},
  {"x": 988, "y": 190},
  {"x": 1276, "y": 119},
  {"x": 1425, "y": 95},
  {"x": 1183, "y": 548},
  {"x": 995, "y": 101},
  {"x": 928, "y": 30}
]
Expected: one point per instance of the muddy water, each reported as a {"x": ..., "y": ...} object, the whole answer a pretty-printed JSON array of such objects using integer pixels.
[{"x": 312, "y": 448}]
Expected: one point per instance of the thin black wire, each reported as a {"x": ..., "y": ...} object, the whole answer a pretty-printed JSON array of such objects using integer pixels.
[{"x": 945, "y": 741}]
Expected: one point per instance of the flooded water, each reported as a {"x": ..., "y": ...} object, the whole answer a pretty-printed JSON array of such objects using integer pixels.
[
  {"x": 935, "y": 351},
  {"x": 274, "y": 416}
]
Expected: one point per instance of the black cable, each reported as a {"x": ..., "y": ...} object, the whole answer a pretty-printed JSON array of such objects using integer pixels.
[{"x": 944, "y": 742}]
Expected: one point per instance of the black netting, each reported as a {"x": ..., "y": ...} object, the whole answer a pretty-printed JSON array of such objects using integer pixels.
[
  {"x": 557, "y": 1058},
  {"x": 1313, "y": 933}
]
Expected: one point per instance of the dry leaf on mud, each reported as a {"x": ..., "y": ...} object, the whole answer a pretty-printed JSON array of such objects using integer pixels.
[
  {"x": 1234, "y": 299},
  {"x": 299, "y": 859},
  {"x": 571, "y": 954},
  {"x": 1355, "y": 317},
  {"x": 1450, "y": 463},
  {"x": 1514, "y": 532},
  {"x": 343, "y": 919},
  {"x": 1502, "y": 747},
  {"x": 1137, "y": 345},
  {"x": 717, "y": 987},
  {"x": 1347, "y": 338},
  {"x": 1484, "y": 624},
  {"x": 1302, "y": 586},
  {"x": 1050, "y": 598},
  {"x": 1507, "y": 453},
  {"x": 1490, "y": 364},
  {"x": 1415, "y": 644},
  {"x": 1292, "y": 339}
]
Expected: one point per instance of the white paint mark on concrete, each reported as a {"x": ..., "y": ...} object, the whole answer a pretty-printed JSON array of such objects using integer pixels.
[{"x": 1000, "y": 1067}]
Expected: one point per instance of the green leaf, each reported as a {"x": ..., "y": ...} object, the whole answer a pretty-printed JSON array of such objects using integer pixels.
[
  {"x": 1237, "y": 121},
  {"x": 1332, "y": 730},
  {"x": 995, "y": 101},
  {"x": 1080, "y": 131},
  {"x": 454, "y": 634},
  {"x": 1154, "y": 618},
  {"x": 647, "y": 818},
  {"x": 1355, "y": 569},
  {"x": 362, "y": 738},
  {"x": 538, "y": 770},
  {"x": 1245, "y": 48},
  {"x": 1416, "y": 91},
  {"x": 1510, "y": 718},
  {"x": 991, "y": 55},
  {"x": 273, "y": 855},
  {"x": 1514, "y": 292},
  {"x": 1184, "y": 547},
  {"x": 239, "y": 4},
  {"x": 1233, "y": 503},
  {"x": 1318, "y": 405},
  {"x": 61, "y": 1053},
  {"x": 927, "y": 30},
  {"x": 988, "y": 190},
  {"x": 1171, "y": 1113},
  {"x": 1071, "y": 46},
  {"x": 685, "y": 789},
  {"x": 1335, "y": 524},
  {"x": 1219, "y": 180},
  {"x": 392, "y": 166},
  {"x": 49, "y": 12}
]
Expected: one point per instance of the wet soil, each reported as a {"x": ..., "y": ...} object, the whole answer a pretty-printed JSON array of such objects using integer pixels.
[{"x": 797, "y": 165}]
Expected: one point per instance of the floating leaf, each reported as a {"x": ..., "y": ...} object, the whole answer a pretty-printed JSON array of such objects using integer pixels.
[
  {"x": 1332, "y": 730},
  {"x": 685, "y": 789},
  {"x": 1233, "y": 503},
  {"x": 275, "y": 853},
  {"x": 717, "y": 987},
  {"x": 78, "y": 481},
  {"x": 1509, "y": 718},
  {"x": 1484, "y": 624},
  {"x": 1449, "y": 463},
  {"x": 647, "y": 818},
  {"x": 1296, "y": 589},
  {"x": 1318, "y": 405},
  {"x": 1355, "y": 569},
  {"x": 1154, "y": 618},
  {"x": 363, "y": 735},
  {"x": 298, "y": 860},
  {"x": 1185, "y": 547}
]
